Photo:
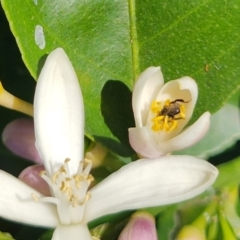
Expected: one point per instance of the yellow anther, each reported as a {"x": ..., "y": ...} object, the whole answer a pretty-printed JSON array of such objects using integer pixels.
[
  {"x": 174, "y": 125},
  {"x": 35, "y": 198},
  {"x": 74, "y": 200},
  {"x": 7, "y": 100},
  {"x": 86, "y": 198},
  {"x": 167, "y": 116},
  {"x": 155, "y": 106},
  {"x": 90, "y": 178},
  {"x": 41, "y": 173},
  {"x": 78, "y": 180},
  {"x": 67, "y": 160},
  {"x": 165, "y": 123},
  {"x": 55, "y": 176},
  {"x": 182, "y": 112},
  {"x": 69, "y": 194},
  {"x": 64, "y": 185},
  {"x": 62, "y": 169}
]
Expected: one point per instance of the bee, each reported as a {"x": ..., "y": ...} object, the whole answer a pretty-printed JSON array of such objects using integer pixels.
[{"x": 172, "y": 109}]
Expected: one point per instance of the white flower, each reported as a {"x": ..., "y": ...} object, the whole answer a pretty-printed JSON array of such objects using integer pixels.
[
  {"x": 161, "y": 111},
  {"x": 59, "y": 127}
]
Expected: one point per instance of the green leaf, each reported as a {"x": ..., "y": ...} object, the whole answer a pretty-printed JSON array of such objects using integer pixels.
[
  {"x": 165, "y": 222},
  {"x": 224, "y": 131},
  {"x": 229, "y": 173},
  {"x": 226, "y": 228},
  {"x": 5, "y": 236},
  {"x": 116, "y": 40},
  {"x": 229, "y": 208}
]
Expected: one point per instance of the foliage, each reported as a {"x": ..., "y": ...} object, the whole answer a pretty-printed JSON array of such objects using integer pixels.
[{"x": 110, "y": 43}]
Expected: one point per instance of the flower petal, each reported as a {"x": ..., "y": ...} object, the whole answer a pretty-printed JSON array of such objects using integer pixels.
[
  {"x": 150, "y": 182},
  {"x": 188, "y": 137},
  {"x": 16, "y": 203},
  {"x": 145, "y": 90},
  {"x": 73, "y": 232},
  {"x": 58, "y": 113},
  {"x": 142, "y": 141},
  {"x": 183, "y": 88}
]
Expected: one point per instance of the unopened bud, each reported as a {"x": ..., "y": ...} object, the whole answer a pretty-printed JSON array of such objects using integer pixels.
[
  {"x": 97, "y": 155},
  {"x": 140, "y": 227},
  {"x": 31, "y": 176},
  {"x": 190, "y": 232},
  {"x": 19, "y": 137}
]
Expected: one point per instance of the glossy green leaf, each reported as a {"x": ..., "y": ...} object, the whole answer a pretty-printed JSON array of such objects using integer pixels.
[
  {"x": 226, "y": 228},
  {"x": 229, "y": 173},
  {"x": 223, "y": 133},
  {"x": 5, "y": 236},
  {"x": 116, "y": 40},
  {"x": 166, "y": 222},
  {"x": 229, "y": 208}
]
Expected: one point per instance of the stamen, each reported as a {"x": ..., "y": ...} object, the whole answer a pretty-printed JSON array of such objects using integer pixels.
[
  {"x": 7, "y": 100},
  {"x": 182, "y": 111},
  {"x": 35, "y": 198},
  {"x": 86, "y": 198},
  {"x": 88, "y": 166},
  {"x": 166, "y": 117},
  {"x": 65, "y": 185},
  {"x": 69, "y": 191},
  {"x": 90, "y": 178},
  {"x": 155, "y": 106}
]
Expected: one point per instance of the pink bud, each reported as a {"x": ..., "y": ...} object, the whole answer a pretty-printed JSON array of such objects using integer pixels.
[
  {"x": 19, "y": 137},
  {"x": 31, "y": 176},
  {"x": 140, "y": 227}
]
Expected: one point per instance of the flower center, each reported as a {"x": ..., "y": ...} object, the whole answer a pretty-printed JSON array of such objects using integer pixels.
[
  {"x": 167, "y": 114},
  {"x": 69, "y": 193}
]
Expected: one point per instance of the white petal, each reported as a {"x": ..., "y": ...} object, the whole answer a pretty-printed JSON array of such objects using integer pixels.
[
  {"x": 58, "y": 113},
  {"x": 142, "y": 141},
  {"x": 150, "y": 182},
  {"x": 145, "y": 90},
  {"x": 188, "y": 137},
  {"x": 72, "y": 232},
  {"x": 16, "y": 204},
  {"x": 183, "y": 88}
]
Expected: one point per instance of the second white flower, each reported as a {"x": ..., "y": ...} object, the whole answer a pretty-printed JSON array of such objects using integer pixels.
[{"x": 161, "y": 111}]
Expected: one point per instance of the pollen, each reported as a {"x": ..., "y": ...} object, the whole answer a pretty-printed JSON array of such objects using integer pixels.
[{"x": 167, "y": 114}]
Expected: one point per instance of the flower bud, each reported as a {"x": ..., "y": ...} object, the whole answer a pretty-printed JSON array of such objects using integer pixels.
[
  {"x": 19, "y": 137},
  {"x": 161, "y": 113},
  {"x": 31, "y": 176},
  {"x": 140, "y": 227},
  {"x": 190, "y": 232}
]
